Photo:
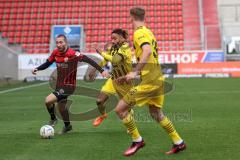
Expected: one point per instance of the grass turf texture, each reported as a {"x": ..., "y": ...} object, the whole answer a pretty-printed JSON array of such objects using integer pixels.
[{"x": 204, "y": 111}]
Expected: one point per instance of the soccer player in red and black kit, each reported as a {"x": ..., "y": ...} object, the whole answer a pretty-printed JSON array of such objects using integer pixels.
[{"x": 67, "y": 62}]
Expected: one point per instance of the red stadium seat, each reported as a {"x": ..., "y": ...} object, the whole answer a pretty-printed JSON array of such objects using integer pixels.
[
  {"x": 180, "y": 31},
  {"x": 102, "y": 38},
  {"x": 173, "y": 31},
  {"x": 180, "y": 37},
  {"x": 33, "y": 19},
  {"x": 19, "y": 27},
  {"x": 180, "y": 18},
  {"x": 26, "y": 22},
  {"x": 45, "y": 39},
  {"x": 25, "y": 34},
  {"x": 165, "y": 2},
  {"x": 24, "y": 40},
  {"x": 10, "y": 34},
  {"x": 18, "y": 34},
  {"x": 95, "y": 39},
  {"x": 179, "y": 1},
  {"x": 10, "y": 40},
  {"x": 180, "y": 25},
  {"x": 179, "y": 13},
  {"x": 17, "y": 39}
]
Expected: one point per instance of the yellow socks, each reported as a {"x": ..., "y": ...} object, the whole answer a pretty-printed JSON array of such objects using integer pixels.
[
  {"x": 168, "y": 126},
  {"x": 129, "y": 122}
]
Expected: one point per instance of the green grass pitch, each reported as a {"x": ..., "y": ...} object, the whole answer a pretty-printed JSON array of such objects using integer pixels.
[{"x": 206, "y": 113}]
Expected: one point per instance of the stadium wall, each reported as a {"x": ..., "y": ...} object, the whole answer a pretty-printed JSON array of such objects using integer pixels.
[
  {"x": 229, "y": 15},
  {"x": 174, "y": 64},
  {"x": 9, "y": 63},
  {"x": 26, "y": 62}
]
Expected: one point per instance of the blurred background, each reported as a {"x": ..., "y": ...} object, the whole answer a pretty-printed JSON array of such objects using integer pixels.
[{"x": 196, "y": 38}]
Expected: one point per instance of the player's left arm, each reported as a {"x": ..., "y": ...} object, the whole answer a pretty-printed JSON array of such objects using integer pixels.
[{"x": 84, "y": 58}]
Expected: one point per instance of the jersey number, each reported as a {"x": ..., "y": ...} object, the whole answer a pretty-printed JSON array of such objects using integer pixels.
[{"x": 155, "y": 51}]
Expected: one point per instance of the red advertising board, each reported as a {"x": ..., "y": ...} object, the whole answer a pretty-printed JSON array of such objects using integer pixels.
[
  {"x": 232, "y": 68},
  {"x": 191, "y": 57},
  {"x": 181, "y": 57}
]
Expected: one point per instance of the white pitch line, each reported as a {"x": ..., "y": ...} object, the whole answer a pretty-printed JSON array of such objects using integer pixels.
[
  {"x": 209, "y": 92},
  {"x": 21, "y": 88}
]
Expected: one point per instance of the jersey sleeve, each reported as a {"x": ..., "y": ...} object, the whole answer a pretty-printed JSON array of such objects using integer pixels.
[
  {"x": 51, "y": 58},
  {"x": 107, "y": 56},
  {"x": 103, "y": 63},
  {"x": 124, "y": 51},
  {"x": 140, "y": 38},
  {"x": 84, "y": 58}
]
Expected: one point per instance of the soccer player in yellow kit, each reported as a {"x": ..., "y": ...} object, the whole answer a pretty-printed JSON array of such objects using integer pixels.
[
  {"x": 149, "y": 91},
  {"x": 120, "y": 56}
]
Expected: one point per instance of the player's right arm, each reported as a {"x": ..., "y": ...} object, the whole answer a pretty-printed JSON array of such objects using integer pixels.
[
  {"x": 108, "y": 57},
  {"x": 144, "y": 44},
  {"x": 45, "y": 65}
]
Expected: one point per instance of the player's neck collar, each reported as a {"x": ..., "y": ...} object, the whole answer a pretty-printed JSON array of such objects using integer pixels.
[
  {"x": 65, "y": 51},
  {"x": 140, "y": 27}
]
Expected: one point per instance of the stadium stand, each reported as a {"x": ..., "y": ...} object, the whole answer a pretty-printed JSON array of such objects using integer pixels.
[
  {"x": 191, "y": 25},
  {"x": 210, "y": 14},
  {"x": 28, "y": 22}
]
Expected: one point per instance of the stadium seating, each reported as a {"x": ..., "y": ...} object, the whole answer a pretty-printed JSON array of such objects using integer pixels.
[
  {"x": 192, "y": 35},
  {"x": 212, "y": 30},
  {"x": 29, "y": 22}
]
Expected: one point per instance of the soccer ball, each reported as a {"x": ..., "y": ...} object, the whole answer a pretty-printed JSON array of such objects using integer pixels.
[{"x": 46, "y": 132}]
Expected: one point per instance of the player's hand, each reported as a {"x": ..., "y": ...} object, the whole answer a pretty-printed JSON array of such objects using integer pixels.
[
  {"x": 121, "y": 80},
  {"x": 34, "y": 71},
  {"x": 131, "y": 75},
  {"x": 105, "y": 74}
]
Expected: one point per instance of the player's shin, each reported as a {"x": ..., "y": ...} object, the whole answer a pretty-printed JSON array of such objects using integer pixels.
[
  {"x": 129, "y": 122},
  {"x": 64, "y": 113},
  {"x": 101, "y": 107},
  {"x": 169, "y": 128},
  {"x": 51, "y": 111}
]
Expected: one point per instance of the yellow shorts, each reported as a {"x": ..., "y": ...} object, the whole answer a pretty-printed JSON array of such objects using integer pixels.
[
  {"x": 110, "y": 87},
  {"x": 145, "y": 93},
  {"x": 122, "y": 89}
]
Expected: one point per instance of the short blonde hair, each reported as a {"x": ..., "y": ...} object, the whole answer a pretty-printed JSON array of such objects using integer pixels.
[{"x": 137, "y": 13}]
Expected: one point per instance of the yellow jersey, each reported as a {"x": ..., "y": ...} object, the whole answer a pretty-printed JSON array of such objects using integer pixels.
[
  {"x": 121, "y": 59},
  {"x": 151, "y": 70}
]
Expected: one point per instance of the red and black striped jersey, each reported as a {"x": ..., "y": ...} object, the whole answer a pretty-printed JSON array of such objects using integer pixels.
[{"x": 66, "y": 67}]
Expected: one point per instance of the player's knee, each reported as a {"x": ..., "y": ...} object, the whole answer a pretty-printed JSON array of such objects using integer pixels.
[
  {"x": 48, "y": 101},
  {"x": 161, "y": 117},
  {"x": 118, "y": 111},
  {"x": 156, "y": 113},
  {"x": 121, "y": 113}
]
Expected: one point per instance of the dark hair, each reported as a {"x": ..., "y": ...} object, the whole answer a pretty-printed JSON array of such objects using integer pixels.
[
  {"x": 137, "y": 13},
  {"x": 121, "y": 32},
  {"x": 62, "y": 35}
]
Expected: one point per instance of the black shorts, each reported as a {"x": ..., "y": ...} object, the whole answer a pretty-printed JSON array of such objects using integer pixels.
[
  {"x": 60, "y": 96},
  {"x": 63, "y": 92}
]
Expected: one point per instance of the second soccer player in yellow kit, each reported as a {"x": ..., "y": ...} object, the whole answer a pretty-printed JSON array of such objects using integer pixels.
[
  {"x": 150, "y": 91},
  {"x": 120, "y": 56}
]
